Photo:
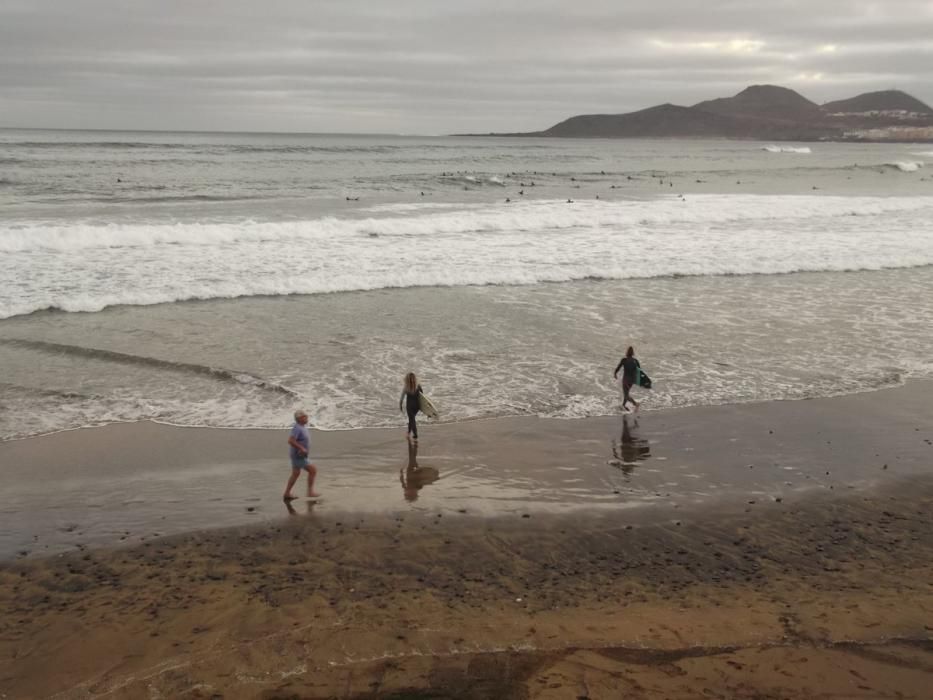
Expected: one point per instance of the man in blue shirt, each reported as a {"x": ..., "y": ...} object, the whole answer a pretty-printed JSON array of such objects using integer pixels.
[{"x": 299, "y": 443}]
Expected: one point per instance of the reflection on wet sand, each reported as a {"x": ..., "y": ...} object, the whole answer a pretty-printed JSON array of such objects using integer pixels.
[
  {"x": 309, "y": 507},
  {"x": 413, "y": 477},
  {"x": 629, "y": 448}
]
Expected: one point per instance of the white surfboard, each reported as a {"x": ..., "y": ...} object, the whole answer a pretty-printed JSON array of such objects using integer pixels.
[{"x": 427, "y": 408}]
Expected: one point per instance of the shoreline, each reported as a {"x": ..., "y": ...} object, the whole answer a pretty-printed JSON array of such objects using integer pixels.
[
  {"x": 777, "y": 550},
  {"x": 478, "y": 419},
  {"x": 127, "y": 483}
]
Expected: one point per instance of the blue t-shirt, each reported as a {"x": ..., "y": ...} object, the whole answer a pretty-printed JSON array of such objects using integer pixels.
[{"x": 302, "y": 437}]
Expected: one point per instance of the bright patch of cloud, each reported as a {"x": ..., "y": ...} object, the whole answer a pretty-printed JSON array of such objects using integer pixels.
[
  {"x": 828, "y": 48},
  {"x": 730, "y": 46}
]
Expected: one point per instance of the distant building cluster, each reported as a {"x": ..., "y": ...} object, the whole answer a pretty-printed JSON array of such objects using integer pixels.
[
  {"x": 892, "y": 133},
  {"x": 901, "y": 114}
]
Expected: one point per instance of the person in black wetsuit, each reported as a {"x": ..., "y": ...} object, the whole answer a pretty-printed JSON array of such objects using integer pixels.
[
  {"x": 412, "y": 403},
  {"x": 629, "y": 366}
]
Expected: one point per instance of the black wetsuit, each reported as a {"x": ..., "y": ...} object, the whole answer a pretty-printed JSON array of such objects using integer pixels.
[
  {"x": 412, "y": 405},
  {"x": 629, "y": 367}
]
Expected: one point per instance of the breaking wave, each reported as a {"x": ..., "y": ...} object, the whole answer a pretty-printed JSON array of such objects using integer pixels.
[
  {"x": 906, "y": 166},
  {"x": 219, "y": 373},
  {"x": 93, "y": 267},
  {"x": 786, "y": 149}
]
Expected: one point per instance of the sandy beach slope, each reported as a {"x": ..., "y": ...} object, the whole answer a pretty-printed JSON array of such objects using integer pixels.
[{"x": 806, "y": 571}]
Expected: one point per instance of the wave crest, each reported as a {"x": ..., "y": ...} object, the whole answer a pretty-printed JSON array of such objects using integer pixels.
[
  {"x": 906, "y": 166},
  {"x": 219, "y": 373},
  {"x": 93, "y": 267},
  {"x": 786, "y": 149}
]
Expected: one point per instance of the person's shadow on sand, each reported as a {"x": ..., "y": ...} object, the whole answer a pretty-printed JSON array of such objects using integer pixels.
[
  {"x": 413, "y": 477},
  {"x": 629, "y": 448}
]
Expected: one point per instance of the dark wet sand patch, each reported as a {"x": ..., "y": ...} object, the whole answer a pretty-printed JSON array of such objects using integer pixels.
[{"x": 816, "y": 600}]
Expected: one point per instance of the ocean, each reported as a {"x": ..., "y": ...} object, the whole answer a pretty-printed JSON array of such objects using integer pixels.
[{"x": 226, "y": 279}]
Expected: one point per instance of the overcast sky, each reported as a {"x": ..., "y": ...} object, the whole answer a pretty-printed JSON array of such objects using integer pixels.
[{"x": 433, "y": 66}]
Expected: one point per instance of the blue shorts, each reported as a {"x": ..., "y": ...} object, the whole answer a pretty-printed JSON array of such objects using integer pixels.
[{"x": 300, "y": 462}]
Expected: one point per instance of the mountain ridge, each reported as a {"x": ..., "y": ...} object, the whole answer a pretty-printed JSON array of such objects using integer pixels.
[
  {"x": 765, "y": 112},
  {"x": 881, "y": 100}
]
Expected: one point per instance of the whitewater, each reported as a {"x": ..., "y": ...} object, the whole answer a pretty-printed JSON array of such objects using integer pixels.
[
  {"x": 223, "y": 279},
  {"x": 59, "y": 267}
]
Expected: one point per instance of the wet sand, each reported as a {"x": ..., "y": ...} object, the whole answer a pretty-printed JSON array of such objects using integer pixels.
[
  {"x": 758, "y": 589},
  {"x": 125, "y": 484}
]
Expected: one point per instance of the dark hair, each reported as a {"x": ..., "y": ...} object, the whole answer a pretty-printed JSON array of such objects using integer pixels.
[{"x": 630, "y": 352}]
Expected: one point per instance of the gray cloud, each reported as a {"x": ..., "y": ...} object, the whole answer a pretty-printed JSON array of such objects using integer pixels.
[{"x": 423, "y": 66}]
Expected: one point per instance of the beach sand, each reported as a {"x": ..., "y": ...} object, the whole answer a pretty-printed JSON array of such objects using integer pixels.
[{"x": 778, "y": 550}]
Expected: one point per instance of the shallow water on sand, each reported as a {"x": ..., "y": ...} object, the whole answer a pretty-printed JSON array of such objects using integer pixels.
[
  {"x": 126, "y": 483},
  {"x": 544, "y": 350}
]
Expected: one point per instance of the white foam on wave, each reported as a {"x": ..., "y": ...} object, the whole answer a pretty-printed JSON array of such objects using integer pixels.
[
  {"x": 408, "y": 207},
  {"x": 475, "y": 180},
  {"x": 523, "y": 243},
  {"x": 532, "y": 216},
  {"x": 786, "y": 149},
  {"x": 907, "y": 166},
  {"x": 923, "y": 154}
]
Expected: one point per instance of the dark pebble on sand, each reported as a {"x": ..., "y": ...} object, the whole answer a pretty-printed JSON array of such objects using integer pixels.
[
  {"x": 525, "y": 515},
  {"x": 250, "y": 509}
]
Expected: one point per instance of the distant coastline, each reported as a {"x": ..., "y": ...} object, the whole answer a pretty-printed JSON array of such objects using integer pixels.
[{"x": 762, "y": 112}]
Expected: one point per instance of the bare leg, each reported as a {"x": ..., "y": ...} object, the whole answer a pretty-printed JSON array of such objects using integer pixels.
[
  {"x": 312, "y": 472},
  {"x": 287, "y": 496}
]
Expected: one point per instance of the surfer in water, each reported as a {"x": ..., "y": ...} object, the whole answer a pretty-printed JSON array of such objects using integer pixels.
[
  {"x": 299, "y": 443},
  {"x": 629, "y": 366},
  {"x": 412, "y": 400}
]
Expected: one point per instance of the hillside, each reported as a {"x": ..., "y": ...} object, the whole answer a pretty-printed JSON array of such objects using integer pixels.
[
  {"x": 674, "y": 121},
  {"x": 883, "y": 101},
  {"x": 663, "y": 120},
  {"x": 764, "y": 102},
  {"x": 763, "y": 112}
]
